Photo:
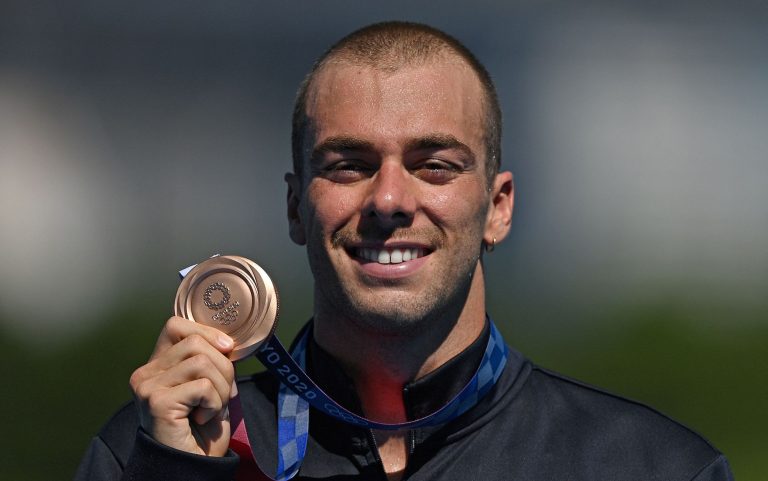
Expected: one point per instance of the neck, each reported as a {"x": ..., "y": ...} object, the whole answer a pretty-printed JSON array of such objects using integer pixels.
[{"x": 381, "y": 363}]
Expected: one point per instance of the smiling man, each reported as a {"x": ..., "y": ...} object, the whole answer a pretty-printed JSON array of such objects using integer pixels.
[
  {"x": 394, "y": 198},
  {"x": 396, "y": 193}
]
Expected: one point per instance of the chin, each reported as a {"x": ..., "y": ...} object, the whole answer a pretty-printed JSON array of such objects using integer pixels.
[
  {"x": 390, "y": 321},
  {"x": 398, "y": 315}
]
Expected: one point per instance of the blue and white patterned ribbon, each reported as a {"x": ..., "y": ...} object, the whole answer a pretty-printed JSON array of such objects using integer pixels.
[{"x": 298, "y": 392}]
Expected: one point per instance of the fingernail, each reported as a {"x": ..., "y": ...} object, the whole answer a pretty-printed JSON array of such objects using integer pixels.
[{"x": 224, "y": 341}]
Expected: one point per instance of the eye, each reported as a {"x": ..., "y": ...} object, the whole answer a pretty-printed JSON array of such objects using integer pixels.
[
  {"x": 346, "y": 171},
  {"x": 436, "y": 171}
]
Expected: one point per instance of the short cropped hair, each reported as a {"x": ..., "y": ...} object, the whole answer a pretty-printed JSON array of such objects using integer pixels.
[{"x": 390, "y": 46}]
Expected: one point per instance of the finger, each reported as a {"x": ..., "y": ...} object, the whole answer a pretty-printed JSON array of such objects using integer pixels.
[
  {"x": 178, "y": 328},
  {"x": 176, "y": 403},
  {"x": 189, "y": 370},
  {"x": 194, "y": 346},
  {"x": 202, "y": 415},
  {"x": 170, "y": 410},
  {"x": 208, "y": 405},
  {"x": 190, "y": 347}
]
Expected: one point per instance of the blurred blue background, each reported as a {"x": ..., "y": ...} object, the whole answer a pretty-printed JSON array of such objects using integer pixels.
[{"x": 140, "y": 137}]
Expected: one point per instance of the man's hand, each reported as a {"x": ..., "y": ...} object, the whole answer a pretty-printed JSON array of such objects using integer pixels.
[{"x": 184, "y": 389}]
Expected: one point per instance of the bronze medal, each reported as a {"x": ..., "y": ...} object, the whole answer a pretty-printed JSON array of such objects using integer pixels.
[{"x": 234, "y": 295}]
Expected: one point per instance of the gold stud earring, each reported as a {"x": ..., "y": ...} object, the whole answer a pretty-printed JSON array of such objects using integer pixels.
[{"x": 491, "y": 246}]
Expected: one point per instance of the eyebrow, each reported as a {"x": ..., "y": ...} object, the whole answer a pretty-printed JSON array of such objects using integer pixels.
[
  {"x": 341, "y": 144},
  {"x": 439, "y": 141},
  {"x": 434, "y": 141}
]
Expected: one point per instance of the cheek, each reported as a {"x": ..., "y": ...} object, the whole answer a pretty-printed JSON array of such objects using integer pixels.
[
  {"x": 460, "y": 209},
  {"x": 440, "y": 201},
  {"x": 329, "y": 208}
]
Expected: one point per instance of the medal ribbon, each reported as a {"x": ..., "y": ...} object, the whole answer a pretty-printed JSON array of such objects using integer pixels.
[{"x": 298, "y": 392}]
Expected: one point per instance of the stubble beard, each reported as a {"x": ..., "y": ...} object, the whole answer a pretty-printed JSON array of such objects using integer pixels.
[{"x": 390, "y": 309}]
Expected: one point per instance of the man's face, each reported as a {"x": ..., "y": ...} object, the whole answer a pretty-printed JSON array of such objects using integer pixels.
[{"x": 393, "y": 203}]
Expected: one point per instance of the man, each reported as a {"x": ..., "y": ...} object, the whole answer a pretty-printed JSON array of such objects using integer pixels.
[{"x": 396, "y": 192}]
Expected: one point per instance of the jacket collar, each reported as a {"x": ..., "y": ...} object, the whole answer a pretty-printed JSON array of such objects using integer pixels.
[{"x": 421, "y": 397}]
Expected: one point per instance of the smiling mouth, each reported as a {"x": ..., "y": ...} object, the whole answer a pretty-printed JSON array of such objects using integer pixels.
[{"x": 394, "y": 255}]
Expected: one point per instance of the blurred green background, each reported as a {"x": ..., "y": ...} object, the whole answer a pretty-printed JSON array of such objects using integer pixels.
[
  {"x": 136, "y": 139},
  {"x": 707, "y": 375}
]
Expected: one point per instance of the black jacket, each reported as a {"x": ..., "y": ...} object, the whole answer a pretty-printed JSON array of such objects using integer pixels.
[{"x": 534, "y": 425}]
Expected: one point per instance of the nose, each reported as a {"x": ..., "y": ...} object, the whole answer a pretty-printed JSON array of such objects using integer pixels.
[{"x": 391, "y": 199}]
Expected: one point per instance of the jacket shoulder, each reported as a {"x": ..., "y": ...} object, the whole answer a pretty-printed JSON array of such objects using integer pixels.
[
  {"x": 119, "y": 433},
  {"x": 614, "y": 428}
]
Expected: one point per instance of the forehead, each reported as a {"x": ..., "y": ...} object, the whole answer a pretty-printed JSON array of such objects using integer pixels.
[{"x": 395, "y": 106}]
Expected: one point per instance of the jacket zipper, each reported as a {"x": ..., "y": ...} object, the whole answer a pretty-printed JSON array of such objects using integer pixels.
[
  {"x": 377, "y": 458},
  {"x": 375, "y": 446}
]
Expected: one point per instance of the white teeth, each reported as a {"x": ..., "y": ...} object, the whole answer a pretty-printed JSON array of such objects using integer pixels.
[{"x": 393, "y": 256}]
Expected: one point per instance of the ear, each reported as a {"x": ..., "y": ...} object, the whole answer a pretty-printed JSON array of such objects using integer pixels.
[
  {"x": 295, "y": 226},
  {"x": 502, "y": 201}
]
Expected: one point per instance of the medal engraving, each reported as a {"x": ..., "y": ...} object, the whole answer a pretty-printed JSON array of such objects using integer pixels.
[
  {"x": 228, "y": 315},
  {"x": 216, "y": 286},
  {"x": 232, "y": 294}
]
